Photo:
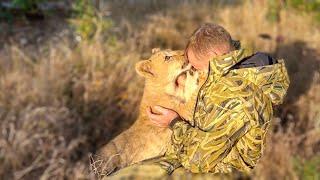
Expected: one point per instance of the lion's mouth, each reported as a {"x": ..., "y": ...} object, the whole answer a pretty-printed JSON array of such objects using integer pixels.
[
  {"x": 180, "y": 79},
  {"x": 185, "y": 84}
]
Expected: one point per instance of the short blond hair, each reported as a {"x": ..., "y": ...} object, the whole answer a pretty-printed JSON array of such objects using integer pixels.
[{"x": 209, "y": 37}]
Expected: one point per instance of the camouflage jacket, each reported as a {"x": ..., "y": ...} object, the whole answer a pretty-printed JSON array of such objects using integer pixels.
[{"x": 232, "y": 115}]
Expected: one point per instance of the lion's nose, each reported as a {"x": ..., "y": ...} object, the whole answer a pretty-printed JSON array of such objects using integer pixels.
[{"x": 185, "y": 64}]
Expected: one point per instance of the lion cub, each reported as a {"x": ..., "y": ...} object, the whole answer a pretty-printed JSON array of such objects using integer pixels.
[{"x": 143, "y": 140}]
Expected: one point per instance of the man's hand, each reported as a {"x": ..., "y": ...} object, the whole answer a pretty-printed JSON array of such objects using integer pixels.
[{"x": 163, "y": 117}]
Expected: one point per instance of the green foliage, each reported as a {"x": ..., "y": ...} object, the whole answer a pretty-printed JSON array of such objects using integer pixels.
[
  {"x": 308, "y": 169},
  {"x": 18, "y": 8},
  {"x": 27, "y": 5},
  {"x": 87, "y": 21},
  {"x": 274, "y": 8},
  {"x": 302, "y": 6},
  {"x": 83, "y": 8},
  {"x": 305, "y": 5},
  {"x": 6, "y": 16}
]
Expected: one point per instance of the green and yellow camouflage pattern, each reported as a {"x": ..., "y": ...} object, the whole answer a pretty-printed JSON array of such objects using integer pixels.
[{"x": 232, "y": 115}]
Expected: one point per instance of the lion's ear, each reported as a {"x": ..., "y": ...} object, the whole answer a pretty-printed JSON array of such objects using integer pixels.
[
  {"x": 144, "y": 68},
  {"x": 155, "y": 50}
]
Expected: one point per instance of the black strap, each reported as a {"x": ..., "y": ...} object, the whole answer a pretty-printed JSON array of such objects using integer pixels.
[
  {"x": 256, "y": 60},
  {"x": 174, "y": 121}
]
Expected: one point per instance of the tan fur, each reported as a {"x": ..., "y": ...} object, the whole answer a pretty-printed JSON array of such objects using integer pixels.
[{"x": 144, "y": 140}]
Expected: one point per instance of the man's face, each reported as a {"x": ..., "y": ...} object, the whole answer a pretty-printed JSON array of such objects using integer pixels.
[
  {"x": 198, "y": 62},
  {"x": 201, "y": 62}
]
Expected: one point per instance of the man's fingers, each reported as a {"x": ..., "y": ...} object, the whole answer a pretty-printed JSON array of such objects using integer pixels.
[
  {"x": 153, "y": 116},
  {"x": 163, "y": 116},
  {"x": 161, "y": 109},
  {"x": 149, "y": 110}
]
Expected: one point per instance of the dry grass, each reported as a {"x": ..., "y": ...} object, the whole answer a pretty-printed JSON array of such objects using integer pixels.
[
  {"x": 58, "y": 106},
  {"x": 54, "y": 112}
]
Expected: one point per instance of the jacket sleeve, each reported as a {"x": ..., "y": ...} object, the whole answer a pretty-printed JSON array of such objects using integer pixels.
[{"x": 199, "y": 150}]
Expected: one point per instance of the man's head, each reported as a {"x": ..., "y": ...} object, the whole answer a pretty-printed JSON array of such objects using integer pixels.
[{"x": 208, "y": 41}]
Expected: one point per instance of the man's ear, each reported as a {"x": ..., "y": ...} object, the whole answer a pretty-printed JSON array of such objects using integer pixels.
[{"x": 144, "y": 68}]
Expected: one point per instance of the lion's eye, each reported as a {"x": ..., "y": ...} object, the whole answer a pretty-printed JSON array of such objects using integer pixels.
[{"x": 167, "y": 58}]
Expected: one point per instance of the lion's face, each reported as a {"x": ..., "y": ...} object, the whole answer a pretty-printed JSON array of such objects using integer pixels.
[{"x": 162, "y": 71}]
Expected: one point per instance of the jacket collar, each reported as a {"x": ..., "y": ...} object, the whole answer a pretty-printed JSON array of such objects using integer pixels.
[{"x": 222, "y": 64}]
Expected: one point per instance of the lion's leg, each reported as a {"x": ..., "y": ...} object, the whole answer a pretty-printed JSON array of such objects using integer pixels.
[
  {"x": 114, "y": 155},
  {"x": 140, "y": 171}
]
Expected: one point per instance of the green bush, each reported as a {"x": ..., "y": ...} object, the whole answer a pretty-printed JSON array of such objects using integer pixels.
[
  {"x": 87, "y": 20},
  {"x": 306, "y": 6},
  {"x": 274, "y": 8},
  {"x": 28, "y": 5},
  {"x": 308, "y": 169},
  {"x": 303, "y": 6},
  {"x": 24, "y": 6}
]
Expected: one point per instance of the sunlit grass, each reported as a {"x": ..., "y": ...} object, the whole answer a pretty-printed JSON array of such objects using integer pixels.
[{"x": 60, "y": 106}]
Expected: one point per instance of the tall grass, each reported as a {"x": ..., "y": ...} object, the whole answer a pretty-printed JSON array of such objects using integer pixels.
[{"x": 58, "y": 106}]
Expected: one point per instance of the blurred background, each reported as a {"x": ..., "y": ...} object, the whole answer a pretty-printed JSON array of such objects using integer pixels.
[{"x": 68, "y": 84}]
